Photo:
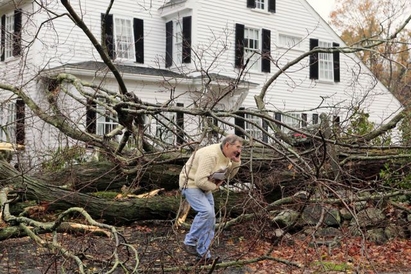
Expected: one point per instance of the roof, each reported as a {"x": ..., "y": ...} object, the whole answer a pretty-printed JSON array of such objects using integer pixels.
[
  {"x": 96, "y": 66},
  {"x": 172, "y": 2},
  {"x": 100, "y": 66}
]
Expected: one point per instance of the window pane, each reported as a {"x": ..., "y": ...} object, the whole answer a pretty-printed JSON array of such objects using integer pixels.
[{"x": 124, "y": 39}]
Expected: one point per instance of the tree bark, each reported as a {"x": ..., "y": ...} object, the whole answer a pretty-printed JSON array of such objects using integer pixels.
[
  {"x": 111, "y": 211},
  {"x": 103, "y": 176}
]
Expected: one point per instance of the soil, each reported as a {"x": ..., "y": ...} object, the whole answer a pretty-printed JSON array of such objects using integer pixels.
[
  {"x": 159, "y": 247},
  {"x": 160, "y": 250}
]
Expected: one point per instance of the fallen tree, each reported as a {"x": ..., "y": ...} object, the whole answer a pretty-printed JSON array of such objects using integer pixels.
[{"x": 115, "y": 211}]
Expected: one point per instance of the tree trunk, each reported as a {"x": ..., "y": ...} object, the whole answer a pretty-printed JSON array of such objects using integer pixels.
[
  {"x": 103, "y": 176},
  {"x": 112, "y": 211}
]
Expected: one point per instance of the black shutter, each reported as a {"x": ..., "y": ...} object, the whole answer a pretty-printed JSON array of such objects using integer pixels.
[
  {"x": 240, "y": 124},
  {"x": 336, "y": 60},
  {"x": 20, "y": 121},
  {"x": 304, "y": 119},
  {"x": 239, "y": 45},
  {"x": 186, "y": 39},
  {"x": 139, "y": 38},
  {"x": 251, "y": 4},
  {"x": 169, "y": 44},
  {"x": 91, "y": 117},
  {"x": 107, "y": 32},
  {"x": 271, "y": 5},
  {"x": 17, "y": 33},
  {"x": 277, "y": 116},
  {"x": 266, "y": 50},
  {"x": 3, "y": 37},
  {"x": 336, "y": 120},
  {"x": 313, "y": 60},
  {"x": 265, "y": 127},
  {"x": 215, "y": 123},
  {"x": 315, "y": 118},
  {"x": 180, "y": 125}
]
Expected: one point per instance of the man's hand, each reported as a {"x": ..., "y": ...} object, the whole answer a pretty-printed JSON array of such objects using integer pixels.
[{"x": 218, "y": 183}]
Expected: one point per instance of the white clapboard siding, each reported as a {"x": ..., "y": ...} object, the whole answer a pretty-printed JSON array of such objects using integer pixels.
[{"x": 55, "y": 41}]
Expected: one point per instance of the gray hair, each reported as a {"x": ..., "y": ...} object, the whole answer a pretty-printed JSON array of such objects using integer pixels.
[{"x": 232, "y": 139}]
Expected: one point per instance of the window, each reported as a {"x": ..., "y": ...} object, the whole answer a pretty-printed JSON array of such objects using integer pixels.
[
  {"x": 265, "y": 5},
  {"x": 165, "y": 124},
  {"x": 252, "y": 48},
  {"x": 12, "y": 117},
  {"x": 10, "y": 123},
  {"x": 289, "y": 41},
  {"x": 99, "y": 120},
  {"x": 260, "y": 4},
  {"x": 253, "y": 126},
  {"x": 10, "y": 35},
  {"x": 9, "y": 27},
  {"x": 324, "y": 66},
  {"x": 292, "y": 120},
  {"x": 178, "y": 41},
  {"x": 106, "y": 121},
  {"x": 325, "y": 61},
  {"x": 3, "y": 137},
  {"x": 124, "y": 37}
]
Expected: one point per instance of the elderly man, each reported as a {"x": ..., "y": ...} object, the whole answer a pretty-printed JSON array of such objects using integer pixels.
[{"x": 203, "y": 173}]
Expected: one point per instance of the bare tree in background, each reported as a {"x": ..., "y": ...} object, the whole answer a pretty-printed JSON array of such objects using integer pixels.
[{"x": 316, "y": 161}]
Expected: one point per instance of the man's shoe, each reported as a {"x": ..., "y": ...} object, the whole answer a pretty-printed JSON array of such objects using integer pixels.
[
  {"x": 208, "y": 261},
  {"x": 191, "y": 249}
]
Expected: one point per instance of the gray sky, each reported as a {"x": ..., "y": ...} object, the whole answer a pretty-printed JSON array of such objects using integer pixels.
[{"x": 323, "y": 7}]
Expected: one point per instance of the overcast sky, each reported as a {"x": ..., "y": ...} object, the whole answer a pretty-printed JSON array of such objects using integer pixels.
[{"x": 323, "y": 7}]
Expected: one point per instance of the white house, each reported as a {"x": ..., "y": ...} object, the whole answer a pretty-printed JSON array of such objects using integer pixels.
[{"x": 165, "y": 51}]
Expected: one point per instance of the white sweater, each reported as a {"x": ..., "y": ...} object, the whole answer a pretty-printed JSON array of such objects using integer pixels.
[{"x": 202, "y": 164}]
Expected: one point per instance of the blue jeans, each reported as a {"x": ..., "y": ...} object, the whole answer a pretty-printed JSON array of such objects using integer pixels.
[{"x": 202, "y": 229}]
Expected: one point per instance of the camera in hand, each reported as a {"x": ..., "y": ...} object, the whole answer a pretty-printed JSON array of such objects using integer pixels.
[{"x": 220, "y": 176}]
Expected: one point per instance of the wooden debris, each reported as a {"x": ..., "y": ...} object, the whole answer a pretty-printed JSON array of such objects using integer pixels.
[
  {"x": 140, "y": 196},
  {"x": 11, "y": 147}
]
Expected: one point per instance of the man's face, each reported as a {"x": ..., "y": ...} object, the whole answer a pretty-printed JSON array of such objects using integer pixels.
[{"x": 233, "y": 151}]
